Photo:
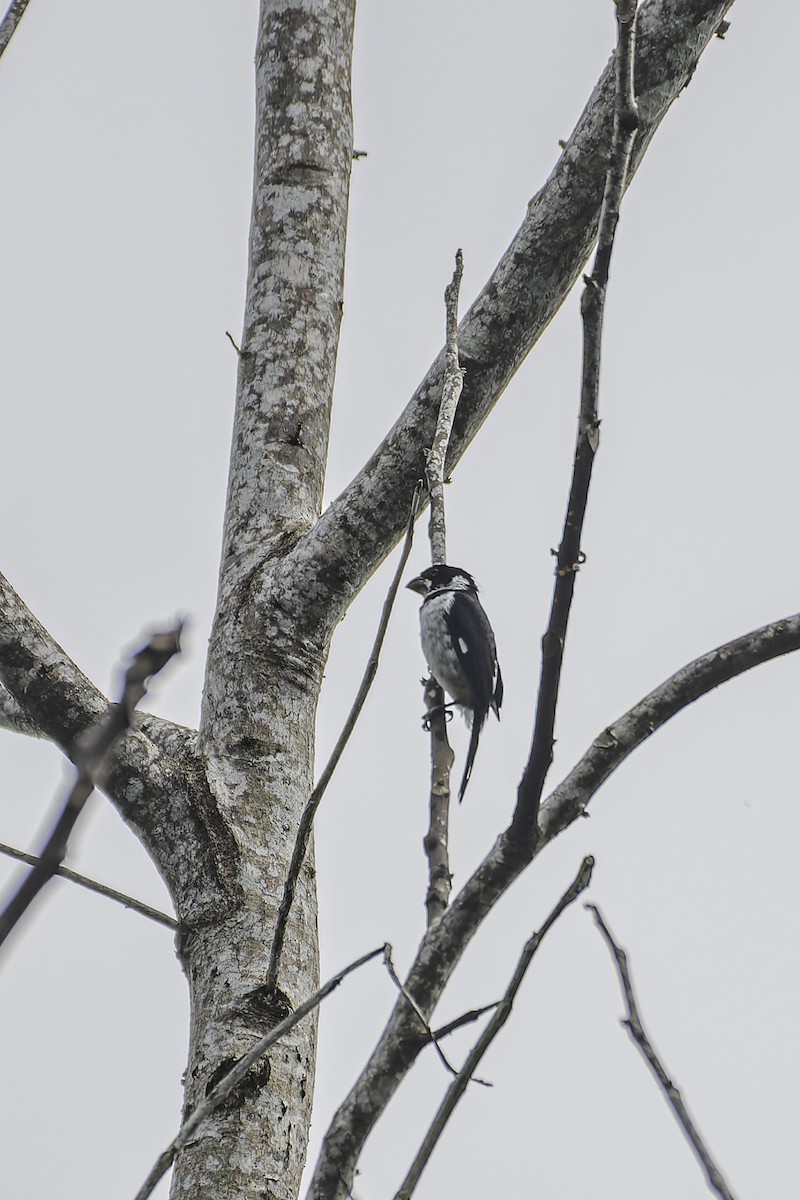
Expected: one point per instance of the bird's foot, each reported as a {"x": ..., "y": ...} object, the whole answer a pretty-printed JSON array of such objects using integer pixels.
[{"x": 447, "y": 709}]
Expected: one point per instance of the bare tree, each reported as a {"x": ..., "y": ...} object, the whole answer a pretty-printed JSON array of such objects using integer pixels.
[{"x": 218, "y": 809}]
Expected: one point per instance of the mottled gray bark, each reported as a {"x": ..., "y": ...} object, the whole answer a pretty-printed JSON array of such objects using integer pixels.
[
  {"x": 265, "y": 662},
  {"x": 218, "y": 813}
]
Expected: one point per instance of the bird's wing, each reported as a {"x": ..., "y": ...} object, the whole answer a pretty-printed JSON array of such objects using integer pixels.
[{"x": 474, "y": 644}]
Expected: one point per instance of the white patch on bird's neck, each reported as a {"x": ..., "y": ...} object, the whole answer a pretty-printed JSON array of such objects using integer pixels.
[{"x": 445, "y": 598}]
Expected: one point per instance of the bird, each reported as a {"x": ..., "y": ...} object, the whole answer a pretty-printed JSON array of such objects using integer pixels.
[{"x": 458, "y": 643}]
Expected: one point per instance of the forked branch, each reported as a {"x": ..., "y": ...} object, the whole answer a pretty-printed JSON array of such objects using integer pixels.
[{"x": 499, "y": 1017}]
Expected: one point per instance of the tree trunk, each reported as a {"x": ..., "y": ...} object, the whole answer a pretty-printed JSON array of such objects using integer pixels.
[{"x": 268, "y": 648}]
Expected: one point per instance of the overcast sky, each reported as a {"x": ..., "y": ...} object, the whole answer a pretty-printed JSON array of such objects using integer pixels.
[{"x": 126, "y": 151}]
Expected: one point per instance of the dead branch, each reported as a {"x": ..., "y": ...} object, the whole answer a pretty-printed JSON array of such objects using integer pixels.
[
  {"x": 436, "y": 839},
  {"x": 633, "y": 1023},
  {"x": 444, "y": 943},
  {"x": 431, "y": 1036},
  {"x": 611, "y": 747},
  {"x": 89, "y": 757},
  {"x": 92, "y": 885},
  {"x": 570, "y": 556},
  {"x": 451, "y": 390},
  {"x": 496, "y": 1023}
]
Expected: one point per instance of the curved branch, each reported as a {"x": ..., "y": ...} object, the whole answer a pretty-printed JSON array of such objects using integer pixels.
[
  {"x": 568, "y": 801},
  {"x": 514, "y": 308},
  {"x": 445, "y": 942}
]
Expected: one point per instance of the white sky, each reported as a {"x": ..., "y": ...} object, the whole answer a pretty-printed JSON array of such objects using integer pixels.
[{"x": 125, "y": 139}]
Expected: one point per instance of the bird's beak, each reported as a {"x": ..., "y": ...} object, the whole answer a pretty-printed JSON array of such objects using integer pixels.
[{"x": 418, "y": 584}]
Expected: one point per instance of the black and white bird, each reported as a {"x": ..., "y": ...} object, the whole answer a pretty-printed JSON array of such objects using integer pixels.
[{"x": 458, "y": 642}]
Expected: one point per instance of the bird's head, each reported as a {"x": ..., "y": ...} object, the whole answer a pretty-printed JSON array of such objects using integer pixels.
[{"x": 443, "y": 578}]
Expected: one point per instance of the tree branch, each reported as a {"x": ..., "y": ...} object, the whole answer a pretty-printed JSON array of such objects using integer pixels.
[
  {"x": 235, "y": 1076},
  {"x": 90, "y": 757},
  {"x": 568, "y": 801},
  {"x": 633, "y": 1023},
  {"x": 10, "y": 22},
  {"x": 570, "y": 555},
  {"x": 430, "y": 1036},
  {"x": 13, "y": 716},
  {"x": 436, "y": 839},
  {"x": 315, "y": 799},
  {"x": 43, "y": 693},
  {"x": 451, "y": 390},
  {"x": 445, "y": 942},
  {"x": 91, "y": 885},
  {"x": 153, "y": 775},
  {"x": 514, "y": 308},
  {"x": 49, "y": 688},
  {"x": 495, "y": 1024}
]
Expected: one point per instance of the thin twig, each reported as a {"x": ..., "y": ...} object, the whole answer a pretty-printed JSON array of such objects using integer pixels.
[
  {"x": 310, "y": 810},
  {"x": 570, "y": 556},
  {"x": 10, "y": 22},
  {"x": 451, "y": 390},
  {"x": 442, "y": 758},
  {"x": 432, "y": 1037},
  {"x": 91, "y": 885},
  {"x": 237, "y": 1073},
  {"x": 241, "y": 353},
  {"x": 633, "y": 1023},
  {"x": 467, "y": 1018},
  {"x": 89, "y": 755},
  {"x": 493, "y": 1027},
  {"x": 618, "y": 740}
]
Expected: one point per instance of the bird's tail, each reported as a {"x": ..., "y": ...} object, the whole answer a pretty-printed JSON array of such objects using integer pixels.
[{"x": 473, "y": 749}]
